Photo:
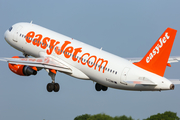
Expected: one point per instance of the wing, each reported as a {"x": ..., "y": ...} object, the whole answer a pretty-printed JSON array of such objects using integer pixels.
[
  {"x": 172, "y": 59},
  {"x": 47, "y": 63}
]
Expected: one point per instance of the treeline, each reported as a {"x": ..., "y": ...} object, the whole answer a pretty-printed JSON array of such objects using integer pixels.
[{"x": 168, "y": 115}]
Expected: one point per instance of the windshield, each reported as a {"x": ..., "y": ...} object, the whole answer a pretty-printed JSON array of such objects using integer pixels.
[{"x": 10, "y": 29}]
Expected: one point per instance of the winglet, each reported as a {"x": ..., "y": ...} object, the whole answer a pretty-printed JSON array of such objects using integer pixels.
[{"x": 156, "y": 59}]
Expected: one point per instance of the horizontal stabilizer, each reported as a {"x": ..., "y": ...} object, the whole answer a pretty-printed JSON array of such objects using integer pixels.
[
  {"x": 172, "y": 59},
  {"x": 175, "y": 81}
]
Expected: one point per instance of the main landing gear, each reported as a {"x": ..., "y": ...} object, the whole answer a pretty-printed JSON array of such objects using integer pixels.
[
  {"x": 99, "y": 87},
  {"x": 52, "y": 73},
  {"x": 52, "y": 86}
]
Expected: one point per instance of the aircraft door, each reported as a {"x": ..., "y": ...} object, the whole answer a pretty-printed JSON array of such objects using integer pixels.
[
  {"x": 124, "y": 75},
  {"x": 16, "y": 33}
]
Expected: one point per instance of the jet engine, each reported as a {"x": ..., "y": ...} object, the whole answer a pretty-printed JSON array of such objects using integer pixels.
[{"x": 22, "y": 70}]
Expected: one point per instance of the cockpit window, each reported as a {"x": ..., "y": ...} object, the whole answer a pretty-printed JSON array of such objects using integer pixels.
[{"x": 10, "y": 29}]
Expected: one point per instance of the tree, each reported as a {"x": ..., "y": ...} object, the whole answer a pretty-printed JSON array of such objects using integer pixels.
[
  {"x": 100, "y": 117},
  {"x": 168, "y": 115},
  {"x": 164, "y": 116},
  {"x": 82, "y": 117},
  {"x": 123, "y": 118}
]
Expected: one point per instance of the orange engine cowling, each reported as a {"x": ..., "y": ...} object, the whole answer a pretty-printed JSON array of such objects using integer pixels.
[{"x": 22, "y": 70}]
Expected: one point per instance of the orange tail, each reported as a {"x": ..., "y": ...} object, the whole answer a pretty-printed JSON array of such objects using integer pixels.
[{"x": 156, "y": 59}]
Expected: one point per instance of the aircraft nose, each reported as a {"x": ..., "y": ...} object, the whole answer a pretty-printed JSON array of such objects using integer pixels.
[{"x": 7, "y": 35}]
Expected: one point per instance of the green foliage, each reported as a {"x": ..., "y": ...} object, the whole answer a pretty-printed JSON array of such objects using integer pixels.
[
  {"x": 82, "y": 117},
  {"x": 164, "y": 116},
  {"x": 100, "y": 117},
  {"x": 123, "y": 118}
]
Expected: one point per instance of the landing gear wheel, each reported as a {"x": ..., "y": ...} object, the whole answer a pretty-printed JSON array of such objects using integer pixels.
[
  {"x": 56, "y": 87},
  {"x": 104, "y": 88},
  {"x": 50, "y": 87},
  {"x": 98, "y": 87}
]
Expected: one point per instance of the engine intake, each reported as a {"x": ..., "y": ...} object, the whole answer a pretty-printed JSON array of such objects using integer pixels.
[{"x": 22, "y": 70}]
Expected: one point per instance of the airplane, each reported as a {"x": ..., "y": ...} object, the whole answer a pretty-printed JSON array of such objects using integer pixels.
[{"x": 45, "y": 49}]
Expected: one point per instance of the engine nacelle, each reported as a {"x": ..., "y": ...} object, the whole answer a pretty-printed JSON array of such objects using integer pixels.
[{"x": 22, "y": 70}]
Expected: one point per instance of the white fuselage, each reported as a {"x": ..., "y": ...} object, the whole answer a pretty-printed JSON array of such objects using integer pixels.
[{"x": 97, "y": 65}]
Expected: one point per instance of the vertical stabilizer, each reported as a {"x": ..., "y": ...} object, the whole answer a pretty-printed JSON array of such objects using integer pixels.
[{"x": 156, "y": 59}]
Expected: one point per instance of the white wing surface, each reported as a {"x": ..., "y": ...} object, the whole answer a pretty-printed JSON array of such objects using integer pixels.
[{"x": 47, "y": 63}]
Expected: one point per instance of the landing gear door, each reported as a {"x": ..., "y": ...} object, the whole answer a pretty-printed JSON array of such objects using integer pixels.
[{"x": 124, "y": 75}]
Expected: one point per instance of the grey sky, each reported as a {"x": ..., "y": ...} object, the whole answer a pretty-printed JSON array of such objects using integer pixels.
[{"x": 125, "y": 28}]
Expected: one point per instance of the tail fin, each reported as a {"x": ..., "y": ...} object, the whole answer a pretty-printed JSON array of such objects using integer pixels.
[{"x": 156, "y": 59}]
